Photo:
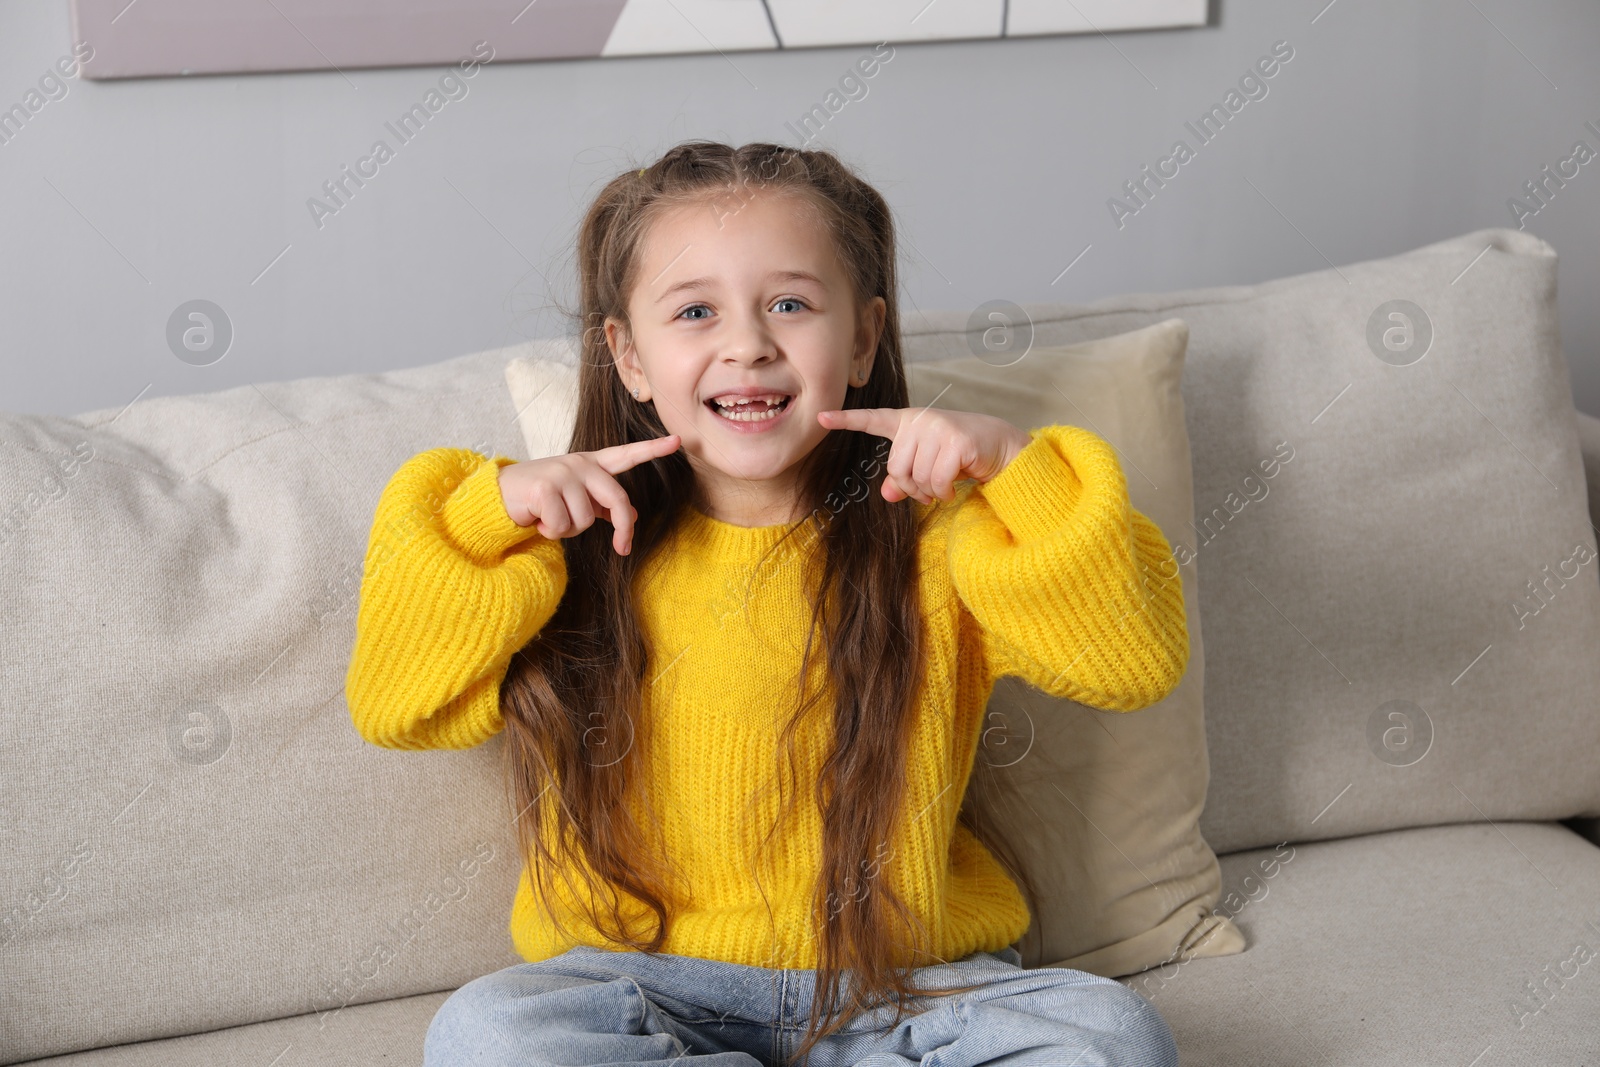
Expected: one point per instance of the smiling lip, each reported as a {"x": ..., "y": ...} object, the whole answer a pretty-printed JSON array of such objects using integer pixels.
[{"x": 751, "y": 425}]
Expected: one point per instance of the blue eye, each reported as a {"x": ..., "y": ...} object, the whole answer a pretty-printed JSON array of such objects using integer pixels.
[{"x": 780, "y": 301}]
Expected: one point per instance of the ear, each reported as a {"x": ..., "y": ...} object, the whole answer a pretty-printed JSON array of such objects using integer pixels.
[
  {"x": 868, "y": 332},
  {"x": 615, "y": 332},
  {"x": 623, "y": 354}
]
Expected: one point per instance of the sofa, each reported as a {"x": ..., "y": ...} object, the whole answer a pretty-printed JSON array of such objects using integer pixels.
[{"x": 204, "y": 864}]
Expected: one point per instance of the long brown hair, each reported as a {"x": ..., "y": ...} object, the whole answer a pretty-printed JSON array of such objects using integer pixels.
[{"x": 572, "y": 696}]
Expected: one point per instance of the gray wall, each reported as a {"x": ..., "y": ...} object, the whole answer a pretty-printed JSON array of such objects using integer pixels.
[{"x": 1394, "y": 125}]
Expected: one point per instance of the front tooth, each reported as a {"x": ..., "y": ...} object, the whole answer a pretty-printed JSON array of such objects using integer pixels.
[{"x": 730, "y": 412}]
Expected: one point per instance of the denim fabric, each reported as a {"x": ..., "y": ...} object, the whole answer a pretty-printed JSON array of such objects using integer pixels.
[{"x": 592, "y": 1006}]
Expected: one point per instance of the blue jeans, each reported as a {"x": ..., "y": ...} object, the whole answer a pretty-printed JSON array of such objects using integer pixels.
[{"x": 592, "y": 1006}]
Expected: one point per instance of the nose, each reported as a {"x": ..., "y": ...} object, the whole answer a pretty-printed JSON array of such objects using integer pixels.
[{"x": 746, "y": 339}]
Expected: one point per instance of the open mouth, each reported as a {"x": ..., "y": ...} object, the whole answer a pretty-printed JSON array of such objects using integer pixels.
[{"x": 749, "y": 409}]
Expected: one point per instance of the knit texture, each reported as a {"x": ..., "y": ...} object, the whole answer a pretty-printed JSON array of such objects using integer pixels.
[{"x": 1044, "y": 572}]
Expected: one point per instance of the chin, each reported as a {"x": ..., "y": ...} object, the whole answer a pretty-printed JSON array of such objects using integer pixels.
[{"x": 755, "y": 460}]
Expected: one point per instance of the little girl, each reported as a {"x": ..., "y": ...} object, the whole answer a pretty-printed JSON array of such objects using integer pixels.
[{"x": 743, "y": 842}]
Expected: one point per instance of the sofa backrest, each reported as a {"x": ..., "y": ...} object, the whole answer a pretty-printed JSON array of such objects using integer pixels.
[{"x": 1397, "y": 568}]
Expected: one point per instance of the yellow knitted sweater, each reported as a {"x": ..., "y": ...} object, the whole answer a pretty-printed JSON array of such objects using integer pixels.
[{"x": 1045, "y": 571}]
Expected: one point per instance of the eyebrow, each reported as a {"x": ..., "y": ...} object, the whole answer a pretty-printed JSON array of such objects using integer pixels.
[{"x": 777, "y": 275}]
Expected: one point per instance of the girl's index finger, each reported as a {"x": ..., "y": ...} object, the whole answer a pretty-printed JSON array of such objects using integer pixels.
[
  {"x": 880, "y": 422},
  {"x": 618, "y": 458}
]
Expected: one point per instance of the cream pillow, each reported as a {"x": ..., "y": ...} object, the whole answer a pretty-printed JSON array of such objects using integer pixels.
[{"x": 1102, "y": 808}]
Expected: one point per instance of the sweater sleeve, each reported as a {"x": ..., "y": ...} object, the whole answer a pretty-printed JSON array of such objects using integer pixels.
[
  {"x": 1072, "y": 589},
  {"x": 451, "y": 589}
]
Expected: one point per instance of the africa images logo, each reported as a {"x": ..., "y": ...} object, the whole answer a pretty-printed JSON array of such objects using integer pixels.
[
  {"x": 342, "y": 188},
  {"x": 1252, "y": 85}
]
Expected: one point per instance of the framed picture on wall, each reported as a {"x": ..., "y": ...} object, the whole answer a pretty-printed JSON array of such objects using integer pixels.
[{"x": 156, "y": 38}]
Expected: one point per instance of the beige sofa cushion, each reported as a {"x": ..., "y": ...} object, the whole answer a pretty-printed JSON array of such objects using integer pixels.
[
  {"x": 383, "y": 1032},
  {"x": 1469, "y": 945},
  {"x": 194, "y": 835},
  {"x": 1103, "y": 809},
  {"x": 1365, "y": 531}
]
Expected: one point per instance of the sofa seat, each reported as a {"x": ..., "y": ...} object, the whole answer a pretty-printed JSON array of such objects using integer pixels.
[
  {"x": 1401, "y": 948},
  {"x": 1408, "y": 947},
  {"x": 383, "y": 1032}
]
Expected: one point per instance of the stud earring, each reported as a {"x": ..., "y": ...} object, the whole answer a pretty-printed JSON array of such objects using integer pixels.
[{"x": 636, "y": 394}]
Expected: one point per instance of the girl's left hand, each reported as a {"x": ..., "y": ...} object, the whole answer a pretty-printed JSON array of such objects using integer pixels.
[{"x": 933, "y": 448}]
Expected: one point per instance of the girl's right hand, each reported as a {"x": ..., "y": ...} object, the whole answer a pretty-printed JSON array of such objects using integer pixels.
[{"x": 563, "y": 494}]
